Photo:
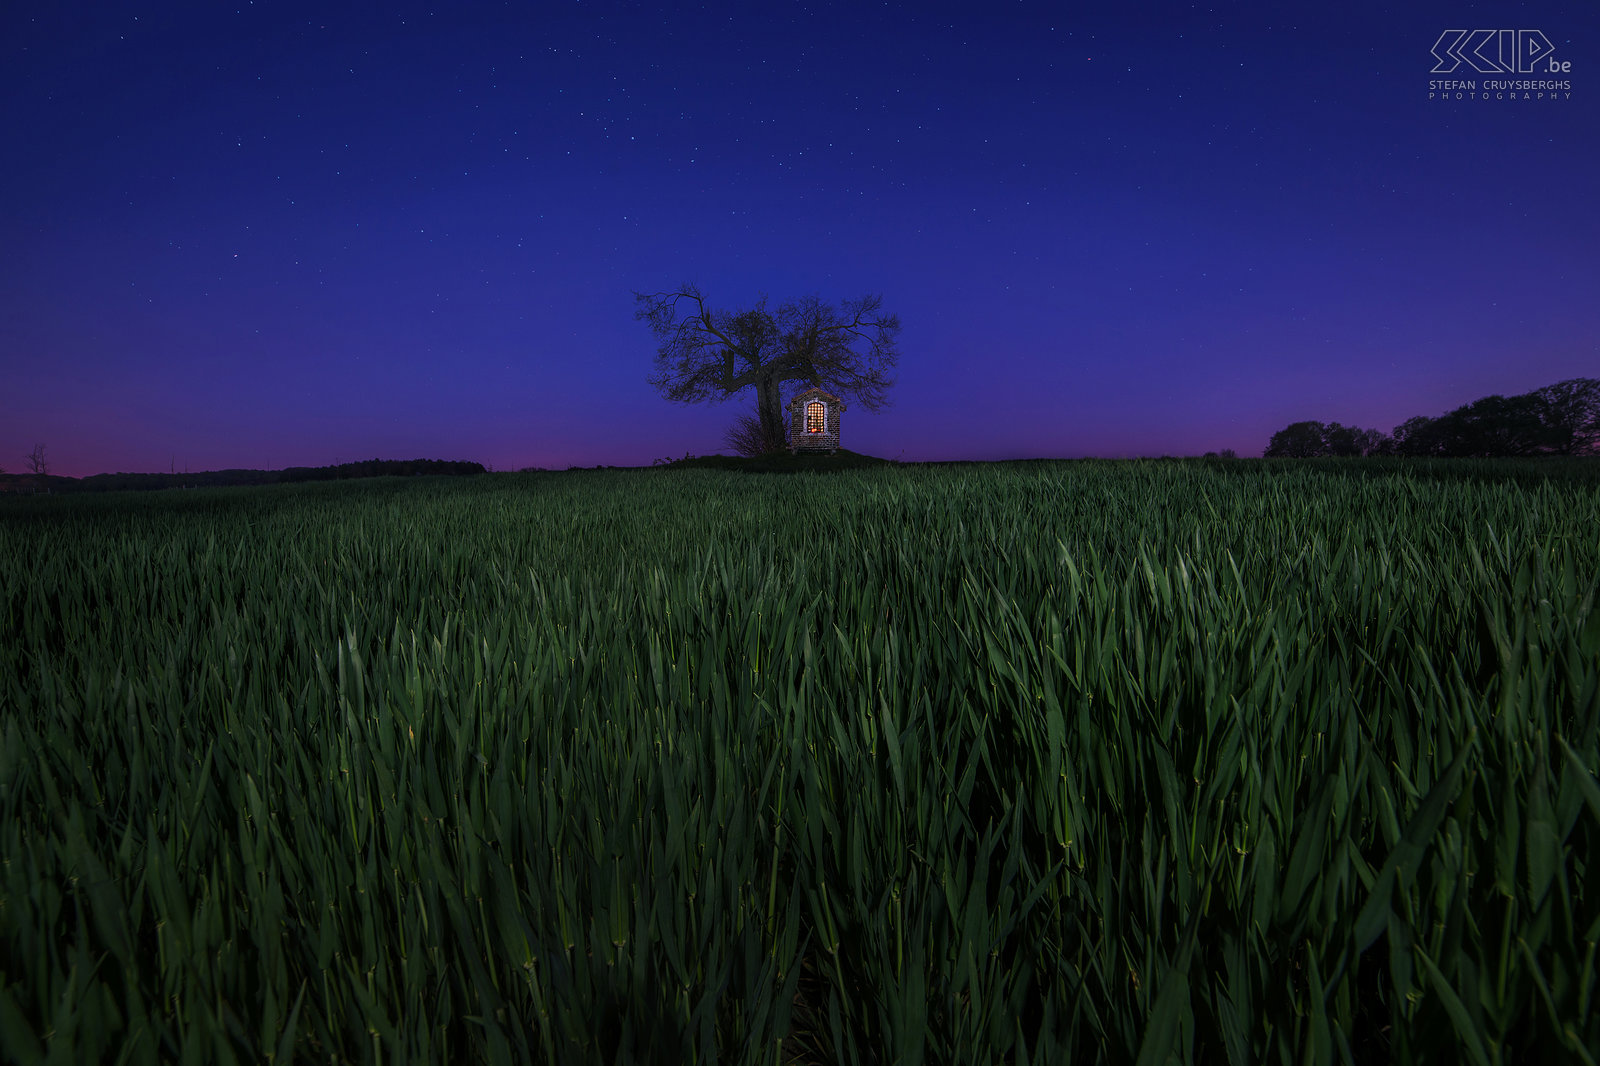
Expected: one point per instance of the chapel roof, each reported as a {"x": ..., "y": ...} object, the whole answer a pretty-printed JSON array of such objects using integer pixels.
[{"x": 816, "y": 393}]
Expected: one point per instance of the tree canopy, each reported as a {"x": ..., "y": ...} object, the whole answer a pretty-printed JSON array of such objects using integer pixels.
[
  {"x": 708, "y": 354},
  {"x": 1303, "y": 440},
  {"x": 1559, "y": 419}
]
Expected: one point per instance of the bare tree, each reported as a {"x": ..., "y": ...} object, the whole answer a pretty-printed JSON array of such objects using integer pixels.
[
  {"x": 746, "y": 437},
  {"x": 37, "y": 462},
  {"x": 706, "y": 354}
]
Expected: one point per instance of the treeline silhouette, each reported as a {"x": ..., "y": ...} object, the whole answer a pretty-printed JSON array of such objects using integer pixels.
[
  {"x": 212, "y": 478},
  {"x": 1559, "y": 419}
]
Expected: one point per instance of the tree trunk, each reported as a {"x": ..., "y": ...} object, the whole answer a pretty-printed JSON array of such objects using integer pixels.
[{"x": 769, "y": 407}]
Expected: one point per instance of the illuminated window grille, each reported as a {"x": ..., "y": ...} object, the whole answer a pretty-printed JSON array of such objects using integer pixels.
[{"x": 816, "y": 418}]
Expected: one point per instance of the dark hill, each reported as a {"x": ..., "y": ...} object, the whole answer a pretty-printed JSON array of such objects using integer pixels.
[{"x": 782, "y": 462}]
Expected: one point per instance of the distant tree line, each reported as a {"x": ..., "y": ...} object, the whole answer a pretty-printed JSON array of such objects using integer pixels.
[
  {"x": 1559, "y": 419},
  {"x": 381, "y": 468},
  {"x": 214, "y": 478}
]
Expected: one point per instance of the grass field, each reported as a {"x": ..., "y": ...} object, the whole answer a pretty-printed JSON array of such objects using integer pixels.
[{"x": 1236, "y": 761}]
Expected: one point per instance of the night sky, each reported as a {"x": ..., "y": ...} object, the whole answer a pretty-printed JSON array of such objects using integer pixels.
[{"x": 263, "y": 234}]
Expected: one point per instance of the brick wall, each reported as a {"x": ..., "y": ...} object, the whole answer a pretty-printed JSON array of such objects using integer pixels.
[{"x": 828, "y": 439}]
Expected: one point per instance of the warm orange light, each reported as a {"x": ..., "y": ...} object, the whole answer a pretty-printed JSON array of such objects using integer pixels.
[{"x": 816, "y": 417}]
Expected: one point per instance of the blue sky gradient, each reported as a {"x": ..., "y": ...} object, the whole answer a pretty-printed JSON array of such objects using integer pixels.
[{"x": 264, "y": 235}]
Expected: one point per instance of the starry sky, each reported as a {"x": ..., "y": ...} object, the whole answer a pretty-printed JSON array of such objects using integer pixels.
[{"x": 271, "y": 234}]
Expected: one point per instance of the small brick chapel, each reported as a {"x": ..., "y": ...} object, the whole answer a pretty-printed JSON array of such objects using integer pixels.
[{"x": 814, "y": 421}]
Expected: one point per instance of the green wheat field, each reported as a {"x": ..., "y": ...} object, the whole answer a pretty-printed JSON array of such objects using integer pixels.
[{"x": 1125, "y": 762}]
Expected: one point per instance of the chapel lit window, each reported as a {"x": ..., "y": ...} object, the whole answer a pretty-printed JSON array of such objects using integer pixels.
[{"x": 816, "y": 417}]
